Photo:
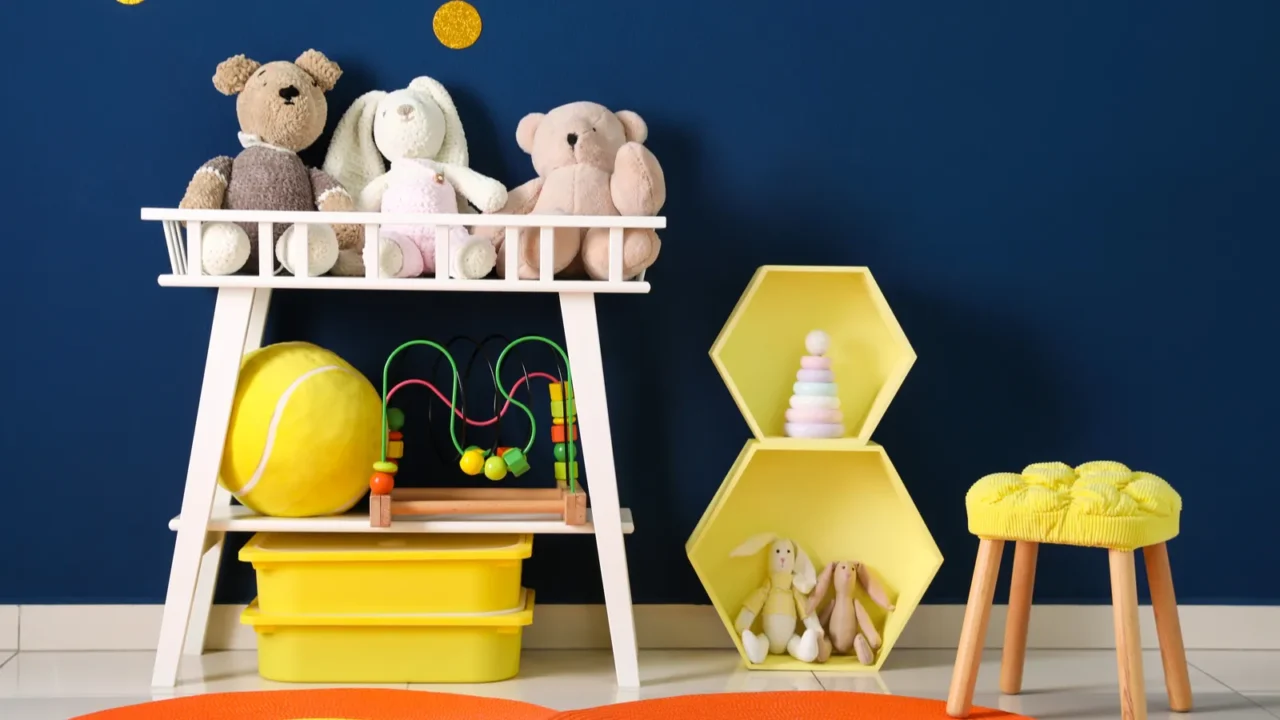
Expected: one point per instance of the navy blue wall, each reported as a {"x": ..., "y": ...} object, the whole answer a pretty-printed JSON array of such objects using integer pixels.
[{"x": 1070, "y": 205}]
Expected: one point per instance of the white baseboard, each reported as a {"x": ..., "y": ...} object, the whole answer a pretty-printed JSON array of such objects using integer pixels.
[
  {"x": 658, "y": 627},
  {"x": 8, "y": 627}
]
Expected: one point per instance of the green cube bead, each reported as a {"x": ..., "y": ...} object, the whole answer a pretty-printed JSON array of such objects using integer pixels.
[
  {"x": 395, "y": 419},
  {"x": 516, "y": 461}
]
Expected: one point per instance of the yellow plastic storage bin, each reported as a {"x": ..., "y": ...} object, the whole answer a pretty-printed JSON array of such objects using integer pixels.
[
  {"x": 379, "y": 574},
  {"x": 421, "y": 648}
]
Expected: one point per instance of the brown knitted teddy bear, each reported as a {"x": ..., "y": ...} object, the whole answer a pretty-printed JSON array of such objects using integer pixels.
[{"x": 282, "y": 110}]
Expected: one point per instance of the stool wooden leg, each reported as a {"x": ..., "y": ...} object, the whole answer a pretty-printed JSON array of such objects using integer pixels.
[
  {"x": 973, "y": 634},
  {"x": 1015, "y": 629},
  {"x": 1124, "y": 605},
  {"x": 1172, "y": 653}
]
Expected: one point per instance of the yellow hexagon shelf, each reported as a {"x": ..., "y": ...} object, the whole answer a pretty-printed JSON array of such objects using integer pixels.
[
  {"x": 838, "y": 502},
  {"x": 758, "y": 352}
]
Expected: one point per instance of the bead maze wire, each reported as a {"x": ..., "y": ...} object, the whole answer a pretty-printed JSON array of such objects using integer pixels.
[{"x": 456, "y": 402}]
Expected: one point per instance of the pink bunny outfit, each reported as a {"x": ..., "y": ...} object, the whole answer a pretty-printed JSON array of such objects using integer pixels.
[{"x": 415, "y": 186}]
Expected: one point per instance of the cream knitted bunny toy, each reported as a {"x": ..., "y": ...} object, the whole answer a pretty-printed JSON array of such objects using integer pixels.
[
  {"x": 419, "y": 131},
  {"x": 779, "y": 601}
]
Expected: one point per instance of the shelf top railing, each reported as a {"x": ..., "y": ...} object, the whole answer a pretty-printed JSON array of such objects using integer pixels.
[{"x": 185, "y": 250}]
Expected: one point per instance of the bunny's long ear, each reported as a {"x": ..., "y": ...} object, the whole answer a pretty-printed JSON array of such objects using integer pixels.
[
  {"x": 453, "y": 150},
  {"x": 353, "y": 159},
  {"x": 805, "y": 576},
  {"x": 753, "y": 545}
]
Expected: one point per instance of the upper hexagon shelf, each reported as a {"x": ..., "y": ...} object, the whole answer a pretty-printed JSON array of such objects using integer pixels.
[
  {"x": 839, "y": 502},
  {"x": 758, "y": 352}
]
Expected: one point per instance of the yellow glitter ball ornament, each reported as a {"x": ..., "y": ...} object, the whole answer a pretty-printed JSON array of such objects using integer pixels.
[{"x": 457, "y": 24}]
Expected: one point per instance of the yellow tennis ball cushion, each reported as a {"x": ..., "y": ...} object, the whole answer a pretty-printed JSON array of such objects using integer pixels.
[{"x": 305, "y": 431}]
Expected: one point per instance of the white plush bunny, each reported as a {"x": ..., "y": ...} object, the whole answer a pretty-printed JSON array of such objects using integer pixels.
[{"x": 419, "y": 131}]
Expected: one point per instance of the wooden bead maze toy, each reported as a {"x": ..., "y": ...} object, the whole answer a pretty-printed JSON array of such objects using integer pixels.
[{"x": 567, "y": 500}]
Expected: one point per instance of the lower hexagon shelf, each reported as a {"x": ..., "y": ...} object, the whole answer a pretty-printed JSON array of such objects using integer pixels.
[{"x": 839, "y": 501}]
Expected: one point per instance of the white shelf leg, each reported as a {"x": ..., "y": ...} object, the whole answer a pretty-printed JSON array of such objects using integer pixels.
[
  {"x": 582, "y": 334},
  {"x": 198, "y": 627},
  {"x": 231, "y": 320}
]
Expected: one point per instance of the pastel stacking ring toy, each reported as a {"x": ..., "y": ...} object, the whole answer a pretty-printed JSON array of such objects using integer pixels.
[{"x": 815, "y": 405}]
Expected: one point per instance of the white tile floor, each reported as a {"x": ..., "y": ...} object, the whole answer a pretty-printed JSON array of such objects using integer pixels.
[{"x": 1062, "y": 684}]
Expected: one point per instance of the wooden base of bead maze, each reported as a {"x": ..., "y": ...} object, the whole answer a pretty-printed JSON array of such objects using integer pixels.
[{"x": 570, "y": 506}]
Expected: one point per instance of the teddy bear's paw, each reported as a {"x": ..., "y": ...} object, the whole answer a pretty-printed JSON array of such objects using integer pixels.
[
  {"x": 473, "y": 258},
  {"x": 350, "y": 263},
  {"x": 224, "y": 248},
  {"x": 321, "y": 251},
  {"x": 637, "y": 186},
  {"x": 639, "y": 251}
]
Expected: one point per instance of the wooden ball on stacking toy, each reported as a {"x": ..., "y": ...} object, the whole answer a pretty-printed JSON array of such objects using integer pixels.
[
  {"x": 395, "y": 419},
  {"x": 817, "y": 343},
  {"x": 495, "y": 468},
  {"x": 472, "y": 462}
]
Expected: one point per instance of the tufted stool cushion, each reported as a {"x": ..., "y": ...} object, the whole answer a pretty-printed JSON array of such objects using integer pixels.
[{"x": 1099, "y": 504}]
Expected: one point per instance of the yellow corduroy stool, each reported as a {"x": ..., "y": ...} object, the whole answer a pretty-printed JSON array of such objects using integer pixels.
[{"x": 1101, "y": 505}]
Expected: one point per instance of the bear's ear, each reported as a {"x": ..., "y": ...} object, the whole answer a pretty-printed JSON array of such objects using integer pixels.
[
  {"x": 633, "y": 125},
  {"x": 526, "y": 129},
  {"x": 233, "y": 74},
  {"x": 321, "y": 69}
]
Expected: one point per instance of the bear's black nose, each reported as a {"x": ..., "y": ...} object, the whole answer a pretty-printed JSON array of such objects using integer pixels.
[
  {"x": 290, "y": 92},
  {"x": 573, "y": 139}
]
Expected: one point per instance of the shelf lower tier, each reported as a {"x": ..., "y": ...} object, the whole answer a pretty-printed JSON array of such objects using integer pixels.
[{"x": 237, "y": 518}]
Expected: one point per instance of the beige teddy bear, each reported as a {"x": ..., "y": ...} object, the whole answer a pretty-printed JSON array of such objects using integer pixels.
[
  {"x": 282, "y": 110},
  {"x": 590, "y": 161}
]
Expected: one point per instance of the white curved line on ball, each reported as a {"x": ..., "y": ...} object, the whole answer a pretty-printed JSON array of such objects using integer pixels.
[{"x": 275, "y": 423}]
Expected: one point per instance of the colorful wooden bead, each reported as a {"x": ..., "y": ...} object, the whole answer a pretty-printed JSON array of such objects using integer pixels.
[
  {"x": 395, "y": 418},
  {"x": 558, "y": 409},
  {"x": 557, "y": 391},
  {"x": 558, "y": 433},
  {"x": 386, "y": 467},
  {"x": 495, "y": 468},
  {"x": 560, "y": 420},
  {"x": 395, "y": 449},
  {"x": 382, "y": 483},
  {"x": 472, "y": 462},
  {"x": 395, "y": 435},
  {"x": 562, "y": 471},
  {"x": 516, "y": 462},
  {"x": 561, "y": 451}
]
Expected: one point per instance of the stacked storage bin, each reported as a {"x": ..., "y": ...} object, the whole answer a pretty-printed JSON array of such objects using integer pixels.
[{"x": 381, "y": 608}]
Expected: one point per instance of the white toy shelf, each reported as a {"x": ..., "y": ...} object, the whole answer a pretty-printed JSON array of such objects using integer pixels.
[{"x": 239, "y": 317}]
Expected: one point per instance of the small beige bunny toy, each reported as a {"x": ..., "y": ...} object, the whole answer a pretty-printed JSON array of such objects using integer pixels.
[
  {"x": 848, "y": 625},
  {"x": 779, "y": 601}
]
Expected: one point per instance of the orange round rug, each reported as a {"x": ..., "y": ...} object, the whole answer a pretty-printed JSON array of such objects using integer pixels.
[
  {"x": 353, "y": 704},
  {"x": 799, "y": 705},
  {"x": 339, "y": 704}
]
